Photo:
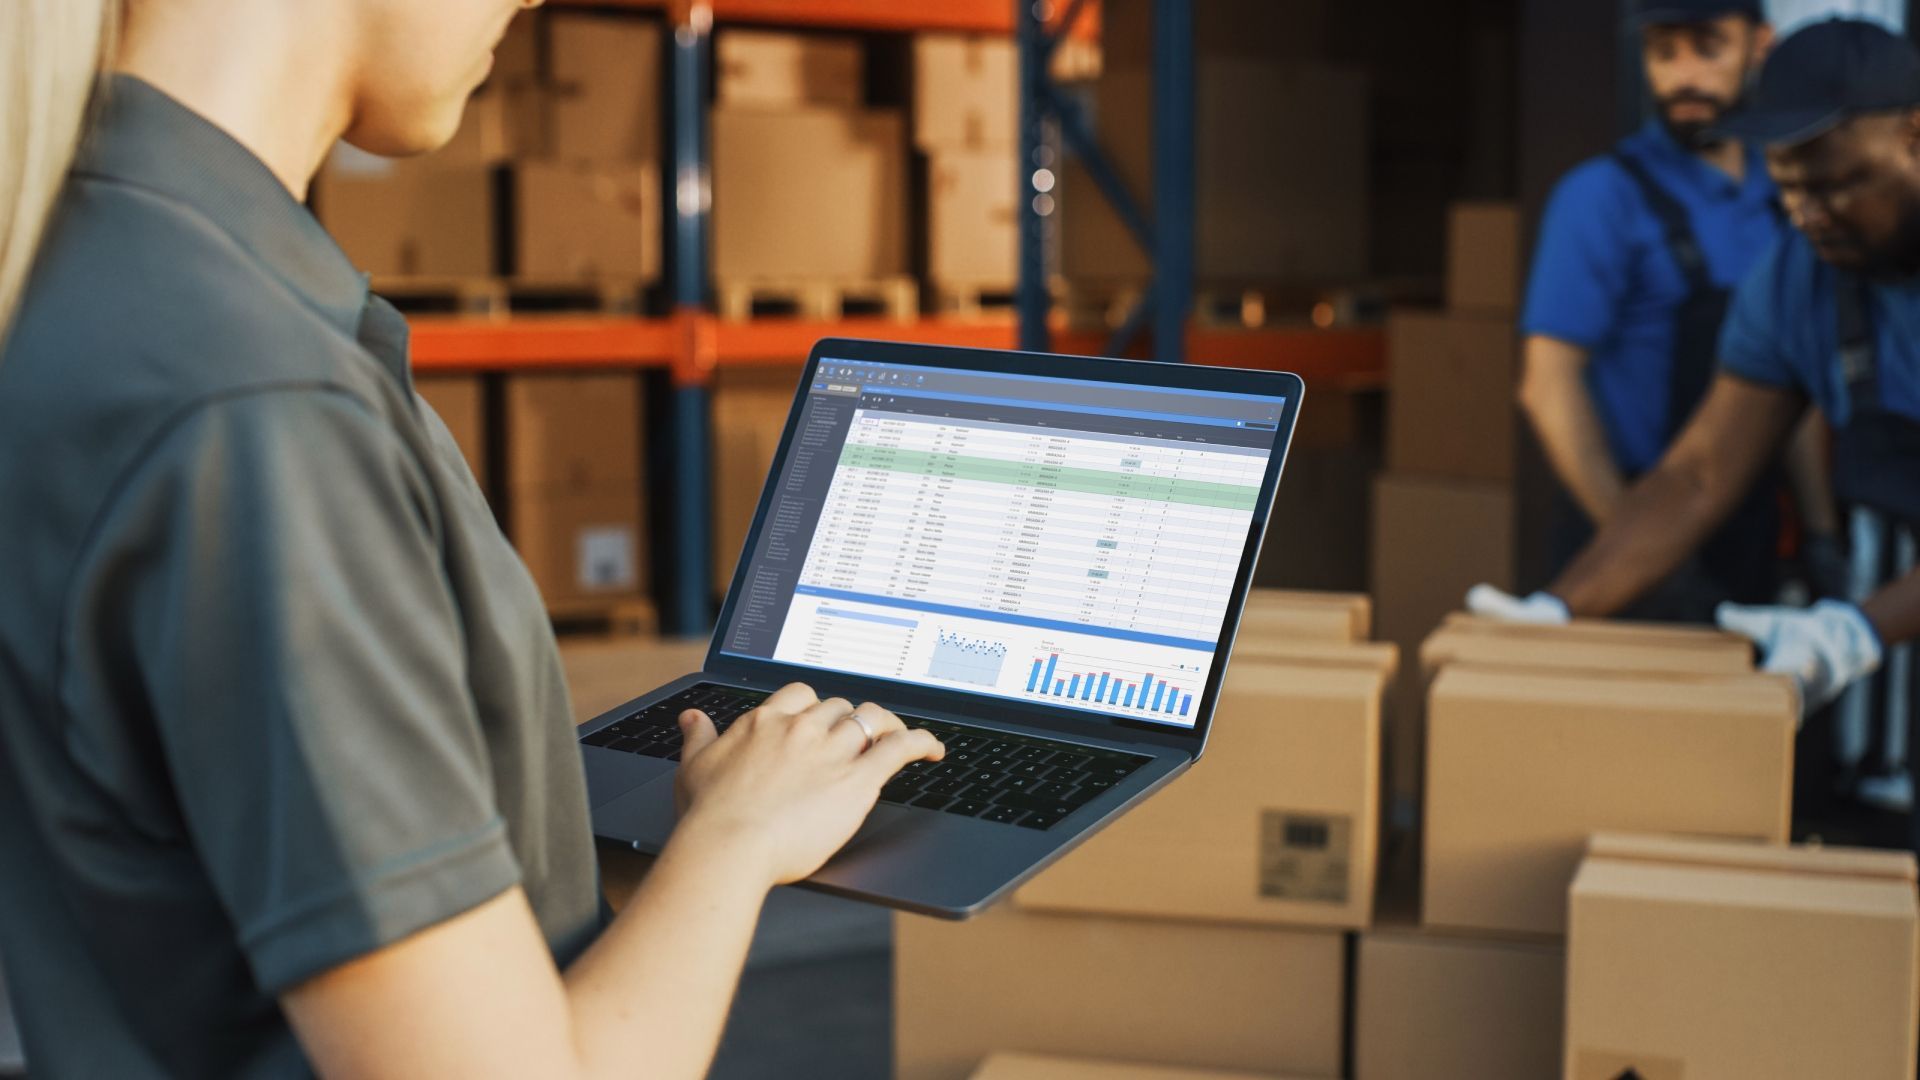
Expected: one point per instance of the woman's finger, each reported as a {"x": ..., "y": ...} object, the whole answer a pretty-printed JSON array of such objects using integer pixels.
[
  {"x": 897, "y": 750},
  {"x": 825, "y": 714},
  {"x": 865, "y": 725},
  {"x": 698, "y": 732}
]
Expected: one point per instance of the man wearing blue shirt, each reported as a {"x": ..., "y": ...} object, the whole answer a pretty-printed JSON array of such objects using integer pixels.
[
  {"x": 1637, "y": 255},
  {"x": 1830, "y": 318}
]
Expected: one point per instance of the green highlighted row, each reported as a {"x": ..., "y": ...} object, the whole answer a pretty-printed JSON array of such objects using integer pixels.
[{"x": 1061, "y": 477}]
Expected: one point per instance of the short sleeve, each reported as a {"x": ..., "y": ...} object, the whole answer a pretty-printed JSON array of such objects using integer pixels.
[
  {"x": 1582, "y": 263},
  {"x": 1764, "y": 320},
  {"x": 303, "y": 661}
]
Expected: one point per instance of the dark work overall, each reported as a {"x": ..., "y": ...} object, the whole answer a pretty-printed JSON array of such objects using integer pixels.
[
  {"x": 1740, "y": 561},
  {"x": 1876, "y": 455}
]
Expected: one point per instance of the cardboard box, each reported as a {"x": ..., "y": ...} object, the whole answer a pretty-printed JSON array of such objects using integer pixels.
[
  {"x": 1662, "y": 651},
  {"x": 1450, "y": 404},
  {"x": 1042, "y": 1067},
  {"x": 460, "y": 402},
  {"x": 607, "y": 81},
  {"x": 1707, "y": 639},
  {"x": 1443, "y": 1007},
  {"x": 1483, "y": 258},
  {"x": 973, "y": 239},
  {"x": 1298, "y": 613},
  {"x": 518, "y": 60},
  {"x": 1434, "y": 540},
  {"x": 838, "y": 209},
  {"x": 415, "y": 217},
  {"x": 1276, "y": 824},
  {"x": 1714, "y": 961},
  {"x": 580, "y": 221},
  {"x": 581, "y": 546},
  {"x": 966, "y": 93},
  {"x": 1523, "y": 766},
  {"x": 750, "y": 407},
  {"x": 503, "y": 122},
  {"x": 783, "y": 69},
  {"x": 1281, "y": 157},
  {"x": 1380, "y": 656},
  {"x": 1261, "y": 999},
  {"x": 573, "y": 433}
]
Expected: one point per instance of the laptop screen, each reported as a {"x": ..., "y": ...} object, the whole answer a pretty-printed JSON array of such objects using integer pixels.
[{"x": 1054, "y": 541}]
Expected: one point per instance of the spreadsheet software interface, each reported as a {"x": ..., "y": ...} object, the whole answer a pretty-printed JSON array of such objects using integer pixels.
[{"x": 1060, "y": 541}]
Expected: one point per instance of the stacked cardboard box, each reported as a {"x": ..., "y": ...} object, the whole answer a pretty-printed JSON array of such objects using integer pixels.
[
  {"x": 572, "y": 488},
  {"x": 553, "y": 174},
  {"x": 1043, "y": 1067},
  {"x": 1711, "y": 959},
  {"x": 1205, "y": 928},
  {"x": 1444, "y": 515},
  {"x": 807, "y": 184},
  {"x": 964, "y": 105},
  {"x": 750, "y": 407},
  {"x": 460, "y": 402},
  {"x": 1431, "y": 1006}
]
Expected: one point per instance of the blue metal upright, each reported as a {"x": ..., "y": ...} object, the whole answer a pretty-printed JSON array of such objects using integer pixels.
[
  {"x": 1168, "y": 237},
  {"x": 688, "y": 603}
]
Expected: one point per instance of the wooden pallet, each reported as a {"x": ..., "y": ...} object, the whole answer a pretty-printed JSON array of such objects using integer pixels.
[
  {"x": 492, "y": 296},
  {"x": 627, "y": 616},
  {"x": 973, "y": 301},
  {"x": 896, "y": 297}
]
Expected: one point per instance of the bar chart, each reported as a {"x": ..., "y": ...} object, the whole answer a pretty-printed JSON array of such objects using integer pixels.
[{"x": 1144, "y": 693}]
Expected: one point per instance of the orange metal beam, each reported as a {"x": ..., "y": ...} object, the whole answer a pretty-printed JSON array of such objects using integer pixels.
[
  {"x": 970, "y": 16},
  {"x": 451, "y": 342}
]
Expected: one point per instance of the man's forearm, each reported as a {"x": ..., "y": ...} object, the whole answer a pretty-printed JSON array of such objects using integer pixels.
[
  {"x": 1810, "y": 475},
  {"x": 1555, "y": 397},
  {"x": 1894, "y": 610},
  {"x": 1661, "y": 521}
]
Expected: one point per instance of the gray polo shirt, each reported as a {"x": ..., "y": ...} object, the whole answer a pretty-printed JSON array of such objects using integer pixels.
[{"x": 274, "y": 691}]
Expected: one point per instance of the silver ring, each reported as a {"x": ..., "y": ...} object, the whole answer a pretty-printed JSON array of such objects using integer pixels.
[{"x": 864, "y": 729}]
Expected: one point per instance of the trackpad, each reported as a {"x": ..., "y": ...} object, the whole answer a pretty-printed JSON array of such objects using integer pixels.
[{"x": 644, "y": 816}]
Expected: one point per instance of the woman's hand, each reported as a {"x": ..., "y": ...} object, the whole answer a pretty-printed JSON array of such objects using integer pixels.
[{"x": 791, "y": 781}]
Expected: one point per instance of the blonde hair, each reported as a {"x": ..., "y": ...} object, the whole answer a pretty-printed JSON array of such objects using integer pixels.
[{"x": 51, "y": 55}]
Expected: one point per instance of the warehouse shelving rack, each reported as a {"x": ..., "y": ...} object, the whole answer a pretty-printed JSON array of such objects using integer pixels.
[{"x": 690, "y": 343}]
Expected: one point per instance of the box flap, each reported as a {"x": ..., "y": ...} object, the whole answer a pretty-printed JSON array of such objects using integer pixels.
[
  {"x": 1736, "y": 855},
  {"x": 1378, "y": 655},
  {"x": 1772, "y": 696},
  {"x": 1048, "y": 1067},
  {"x": 1673, "y": 634},
  {"x": 1572, "y": 652}
]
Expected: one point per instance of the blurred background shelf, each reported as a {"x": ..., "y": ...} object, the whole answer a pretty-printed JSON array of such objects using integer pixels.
[{"x": 963, "y": 16}]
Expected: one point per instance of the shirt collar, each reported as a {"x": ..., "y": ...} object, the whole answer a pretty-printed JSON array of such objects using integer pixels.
[
  {"x": 1658, "y": 146},
  {"x": 146, "y": 139}
]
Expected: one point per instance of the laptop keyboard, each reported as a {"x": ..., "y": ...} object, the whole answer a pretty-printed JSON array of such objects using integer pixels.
[{"x": 991, "y": 775}]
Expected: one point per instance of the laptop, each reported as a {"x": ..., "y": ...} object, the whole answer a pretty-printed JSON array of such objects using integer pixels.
[{"x": 1040, "y": 559}]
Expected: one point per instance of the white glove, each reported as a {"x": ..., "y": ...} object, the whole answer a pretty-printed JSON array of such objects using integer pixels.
[
  {"x": 1540, "y": 609},
  {"x": 1825, "y": 647}
]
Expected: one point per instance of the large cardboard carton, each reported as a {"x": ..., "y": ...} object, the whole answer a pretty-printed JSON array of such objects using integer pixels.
[
  {"x": 460, "y": 402},
  {"x": 1298, "y": 613},
  {"x": 1588, "y": 646},
  {"x": 750, "y": 407},
  {"x": 1432, "y": 541},
  {"x": 1523, "y": 766},
  {"x": 1450, "y": 408},
  {"x": 1484, "y": 258},
  {"x": 503, "y": 122},
  {"x": 1260, "y": 999},
  {"x": 1445, "y": 1007},
  {"x": 580, "y": 221},
  {"x": 972, "y": 236},
  {"x": 838, "y": 208},
  {"x": 409, "y": 217},
  {"x": 1276, "y": 824},
  {"x": 1045, "y": 1067},
  {"x": 966, "y": 93},
  {"x": 1714, "y": 961},
  {"x": 607, "y": 81},
  {"x": 582, "y": 547},
  {"x": 781, "y": 68},
  {"x": 1280, "y": 175},
  {"x": 572, "y": 432}
]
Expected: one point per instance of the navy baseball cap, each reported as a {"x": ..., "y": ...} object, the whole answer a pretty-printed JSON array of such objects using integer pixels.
[
  {"x": 1681, "y": 12},
  {"x": 1823, "y": 75}
]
